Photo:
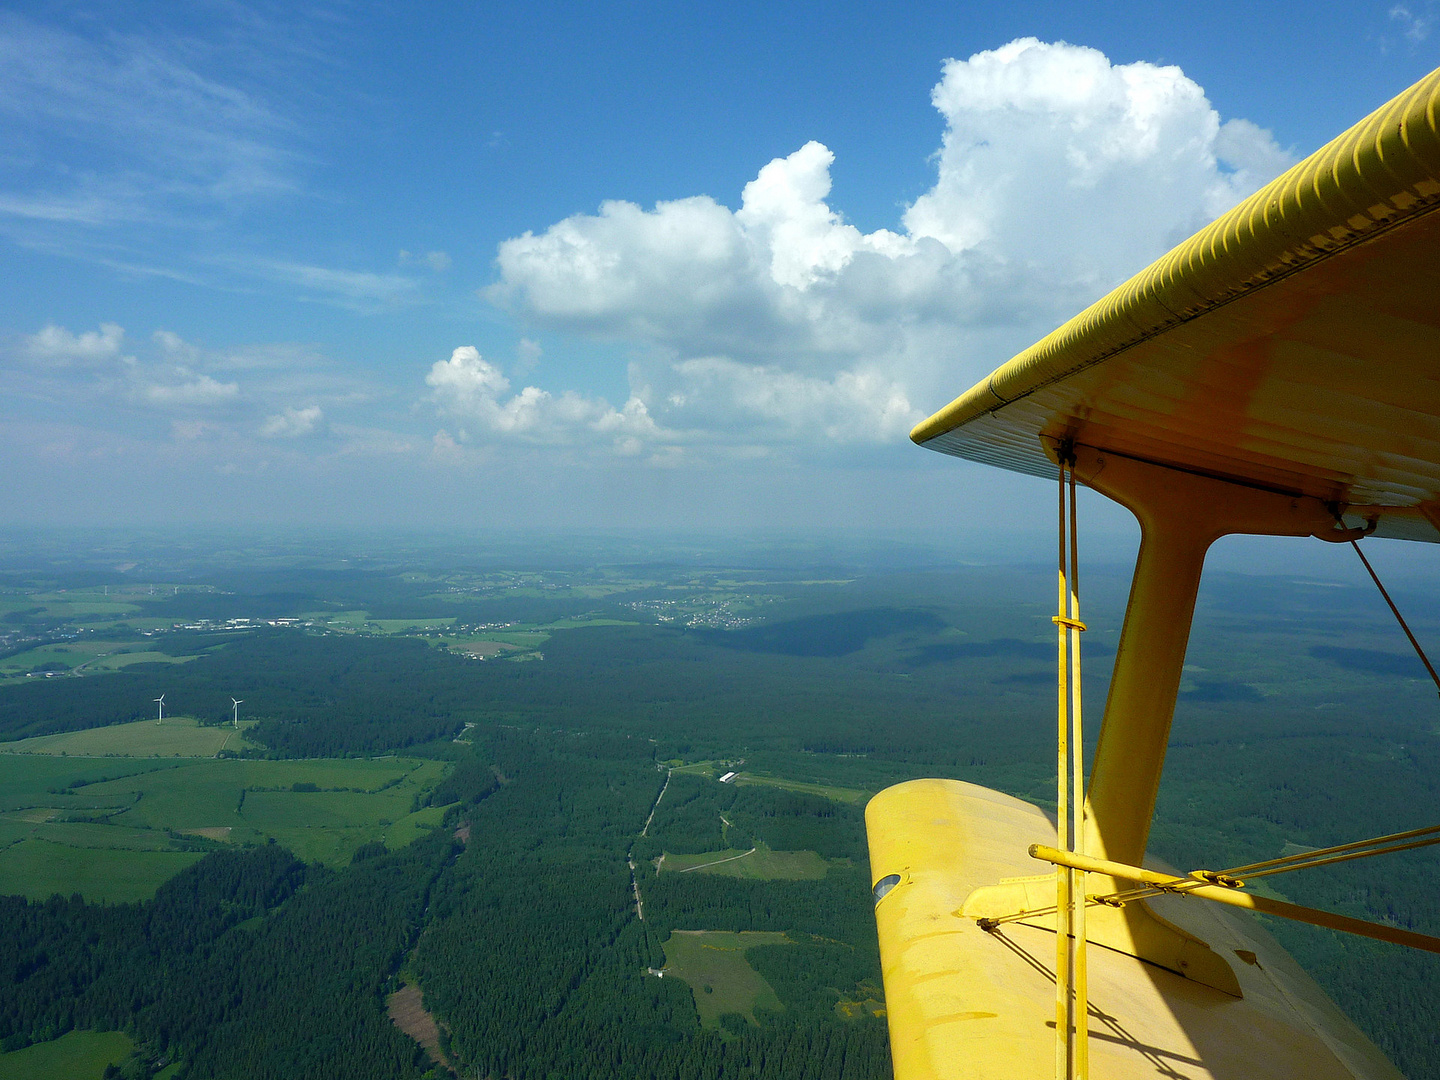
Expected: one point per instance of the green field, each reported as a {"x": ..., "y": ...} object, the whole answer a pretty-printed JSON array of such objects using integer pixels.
[
  {"x": 839, "y": 794},
  {"x": 40, "y": 868},
  {"x": 77, "y": 1055},
  {"x": 71, "y": 654},
  {"x": 759, "y": 864},
  {"x": 43, "y": 786},
  {"x": 714, "y": 770},
  {"x": 399, "y": 626},
  {"x": 179, "y": 736},
  {"x": 86, "y": 657},
  {"x": 149, "y": 819},
  {"x": 713, "y": 964}
]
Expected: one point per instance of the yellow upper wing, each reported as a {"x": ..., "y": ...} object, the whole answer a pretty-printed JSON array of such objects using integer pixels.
[{"x": 1293, "y": 344}]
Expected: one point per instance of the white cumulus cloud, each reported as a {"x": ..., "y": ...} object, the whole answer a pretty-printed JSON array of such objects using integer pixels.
[
  {"x": 292, "y": 423},
  {"x": 56, "y": 345},
  {"x": 189, "y": 390},
  {"x": 472, "y": 389},
  {"x": 1059, "y": 174}
]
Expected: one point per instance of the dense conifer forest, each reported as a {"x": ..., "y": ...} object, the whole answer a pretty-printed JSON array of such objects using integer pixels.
[
  {"x": 516, "y": 913},
  {"x": 524, "y": 937}
]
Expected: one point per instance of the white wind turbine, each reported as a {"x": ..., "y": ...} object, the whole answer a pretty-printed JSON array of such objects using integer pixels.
[
  {"x": 161, "y": 702},
  {"x": 237, "y": 702}
]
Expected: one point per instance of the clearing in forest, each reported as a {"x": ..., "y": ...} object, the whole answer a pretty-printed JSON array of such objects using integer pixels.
[
  {"x": 826, "y": 791},
  {"x": 759, "y": 864},
  {"x": 114, "y": 829},
  {"x": 713, "y": 964},
  {"x": 178, "y": 736},
  {"x": 407, "y": 1012},
  {"x": 76, "y": 1055}
]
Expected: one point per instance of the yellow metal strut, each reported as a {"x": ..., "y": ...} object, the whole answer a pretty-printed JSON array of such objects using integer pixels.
[{"x": 1072, "y": 996}]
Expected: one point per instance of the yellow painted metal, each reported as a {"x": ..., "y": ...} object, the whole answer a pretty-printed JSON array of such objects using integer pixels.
[
  {"x": 1132, "y": 929},
  {"x": 1065, "y": 907},
  {"x": 1282, "y": 364},
  {"x": 1074, "y": 627},
  {"x": 966, "y": 1005},
  {"x": 1291, "y": 345},
  {"x": 1180, "y": 516},
  {"x": 1189, "y": 886},
  {"x": 1072, "y": 1039}
]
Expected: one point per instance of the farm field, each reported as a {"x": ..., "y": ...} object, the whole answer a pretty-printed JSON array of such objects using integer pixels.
[
  {"x": 759, "y": 864},
  {"x": 76, "y": 1055},
  {"x": 41, "y": 868},
  {"x": 84, "y": 657},
  {"x": 114, "y": 829},
  {"x": 179, "y": 736},
  {"x": 712, "y": 963}
]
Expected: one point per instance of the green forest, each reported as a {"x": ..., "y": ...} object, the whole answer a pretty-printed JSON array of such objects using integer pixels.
[{"x": 510, "y": 897}]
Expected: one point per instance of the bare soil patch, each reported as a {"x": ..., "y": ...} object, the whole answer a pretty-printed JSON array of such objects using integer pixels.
[{"x": 408, "y": 1014}]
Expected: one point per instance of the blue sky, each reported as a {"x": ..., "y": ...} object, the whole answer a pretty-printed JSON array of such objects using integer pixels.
[{"x": 686, "y": 266}]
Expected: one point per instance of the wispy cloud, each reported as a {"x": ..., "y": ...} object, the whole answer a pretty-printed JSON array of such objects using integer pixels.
[
  {"x": 358, "y": 289},
  {"x": 1415, "y": 27},
  {"x": 275, "y": 392},
  {"x": 437, "y": 261},
  {"x": 113, "y": 128},
  {"x": 159, "y": 153}
]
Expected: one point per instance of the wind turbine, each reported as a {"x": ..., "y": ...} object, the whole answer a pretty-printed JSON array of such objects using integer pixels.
[
  {"x": 237, "y": 704},
  {"x": 161, "y": 702}
]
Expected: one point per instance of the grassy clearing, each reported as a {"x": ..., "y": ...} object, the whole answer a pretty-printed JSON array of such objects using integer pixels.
[
  {"x": 40, "y": 868},
  {"x": 483, "y": 648},
  {"x": 116, "y": 661},
  {"x": 575, "y": 624},
  {"x": 713, "y": 964},
  {"x": 839, "y": 794},
  {"x": 524, "y": 639},
  {"x": 399, "y": 626},
  {"x": 340, "y": 620},
  {"x": 412, "y": 826},
  {"x": 761, "y": 864},
  {"x": 853, "y": 1010},
  {"x": 42, "y": 785},
  {"x": 85, "y": 658},
  {"x": 178, "y": 736},
  {"x": 151, "y": 817},
  {"x": 76, "y": 1055},
  {"x": 89, "y": 834},
  {"x": 72, "y": 654}
]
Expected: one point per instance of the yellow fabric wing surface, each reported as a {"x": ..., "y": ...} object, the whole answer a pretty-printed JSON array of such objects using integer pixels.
[{"x": 1293, "y": 344}]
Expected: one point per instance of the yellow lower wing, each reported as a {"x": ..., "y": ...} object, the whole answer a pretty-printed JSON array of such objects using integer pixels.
[{"x": 964, "y": 1004}]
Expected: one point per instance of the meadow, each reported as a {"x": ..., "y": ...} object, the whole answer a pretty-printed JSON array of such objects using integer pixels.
[
  {"x": 176, "y": 736},
  {"x": 78, "y": 1055},
  {"x": 83, "y": 657},
  {"x": 115, "y": 829},
  {"x": 758, "y": 863},
  {"x": 712, "y": 963}
]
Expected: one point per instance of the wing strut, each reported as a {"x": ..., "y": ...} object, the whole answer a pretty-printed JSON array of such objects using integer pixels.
[
  {"x": 1398, "y": 617},
  {"x": 1072, "y": 1005},
  {"x": 1224, "y": 888}
]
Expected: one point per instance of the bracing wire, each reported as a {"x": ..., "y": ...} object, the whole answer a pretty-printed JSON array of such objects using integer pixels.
[{"x": 1398, "y": 617}]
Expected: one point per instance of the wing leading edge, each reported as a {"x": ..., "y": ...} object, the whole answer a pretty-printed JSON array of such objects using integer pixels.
[{"x": 1293, "y": 344}]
